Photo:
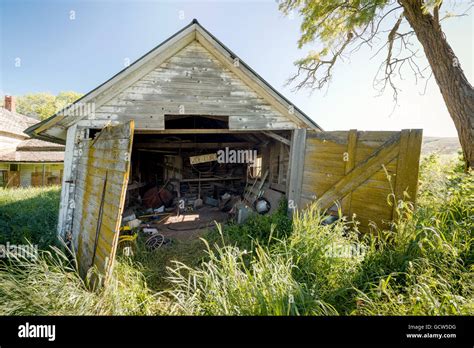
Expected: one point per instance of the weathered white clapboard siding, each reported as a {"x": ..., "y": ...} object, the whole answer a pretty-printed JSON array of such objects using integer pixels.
[{"x": 192, "y": 82}]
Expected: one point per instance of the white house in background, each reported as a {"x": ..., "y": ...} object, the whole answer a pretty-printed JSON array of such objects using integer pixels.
[{"x": 25, "y": 161}]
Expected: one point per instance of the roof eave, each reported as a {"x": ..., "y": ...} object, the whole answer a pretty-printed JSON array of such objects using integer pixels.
[{"x": 45, "y": 137}]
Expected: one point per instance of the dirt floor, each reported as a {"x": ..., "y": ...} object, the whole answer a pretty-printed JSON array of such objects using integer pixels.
[{"x": 190, "y": 225}]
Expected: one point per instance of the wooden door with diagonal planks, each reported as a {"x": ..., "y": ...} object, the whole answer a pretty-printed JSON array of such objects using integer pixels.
[{"x": 359, "y": 171}]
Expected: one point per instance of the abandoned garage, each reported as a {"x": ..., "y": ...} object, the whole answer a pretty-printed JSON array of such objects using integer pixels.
[{"x": 189, "y": 134}]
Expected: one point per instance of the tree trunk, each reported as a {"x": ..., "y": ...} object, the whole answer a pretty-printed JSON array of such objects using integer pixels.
[{"x": 457, "y": 92}]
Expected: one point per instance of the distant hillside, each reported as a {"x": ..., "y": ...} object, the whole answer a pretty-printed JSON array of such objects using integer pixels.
[{"x": 442, "y": 146}]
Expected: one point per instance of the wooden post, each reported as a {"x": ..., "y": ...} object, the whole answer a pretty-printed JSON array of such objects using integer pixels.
[
  {"x": 406, "y": 177},
  {"x": 414, "y": 146},
  {"x": 350, "y": 164},
  {"x": 297, "y": 155},
  {"x": 66, "y": 180}
]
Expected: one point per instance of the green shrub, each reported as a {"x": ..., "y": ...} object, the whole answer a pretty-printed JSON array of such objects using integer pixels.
[{"x": 261, "y": 229}]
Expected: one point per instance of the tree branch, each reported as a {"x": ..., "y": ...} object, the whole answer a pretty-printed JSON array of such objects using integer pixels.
[{"x": 311, "y": 66}]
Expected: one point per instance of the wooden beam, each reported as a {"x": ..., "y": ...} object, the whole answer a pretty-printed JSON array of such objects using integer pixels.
[
  {"x": 171, "y": 117},
  {"x": 351, "y": 150},
  {"x": 194, "y": 131},
  {"x": 103, "y": 123},
  {"x": 277, "y": 137},
  {"x": 212, "y": 179},
  {"x": 136, "y": 185},
  {"x": 413, "y": 162},
  {"x": 363, "y": 171},
  {"x": 193, "y": 145},
  {"x": 401, "y": 167},
  {"x": 42, "y": 178}
]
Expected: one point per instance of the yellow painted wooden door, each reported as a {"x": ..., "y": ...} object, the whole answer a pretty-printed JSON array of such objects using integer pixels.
[
  {"x": 101, "y": 184},
  {"x": 363, "y": 173}
]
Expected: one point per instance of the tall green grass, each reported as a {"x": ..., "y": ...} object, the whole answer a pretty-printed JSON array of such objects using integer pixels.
[
  {"x": 50, "y": 285},
  {"x": 289, "y": 276},
  {"x": 272, "y": 265},
  {"x": 29, "y": 214},
  {"x": 422, "y": 266}
]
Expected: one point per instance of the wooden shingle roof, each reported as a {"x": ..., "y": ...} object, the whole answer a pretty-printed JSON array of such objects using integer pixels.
[
  {"x": 28, "y": 150},
  {"x": 31, "y": 156},
  {"x": 14, "y": 123},
  {"x": 38, "y": 145}
]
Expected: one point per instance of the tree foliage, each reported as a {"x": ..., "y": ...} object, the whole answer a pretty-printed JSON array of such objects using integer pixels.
[
  {"x": 342, "y": 27},
  {"x": 405, "y": 29},
  {"x": 43, "y": 105}
]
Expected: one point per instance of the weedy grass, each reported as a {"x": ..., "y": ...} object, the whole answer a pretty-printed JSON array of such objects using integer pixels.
[
  {"x": 273, "y": 265},
  {"x": 29, "y": 214},
  {"x": 49, "y": 284},
  {"x": 154, "y": 263},
  {"x": 425, "y": 266},
  {"x": 265, "y": 280},
  {"x": 422, "y": 265},
  {"x": 257, "y": 229}
]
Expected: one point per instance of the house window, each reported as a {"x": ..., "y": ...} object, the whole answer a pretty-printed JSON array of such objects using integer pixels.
[
  {"x": 13, "y": 167},
  {"x": 3, "y": 178}
]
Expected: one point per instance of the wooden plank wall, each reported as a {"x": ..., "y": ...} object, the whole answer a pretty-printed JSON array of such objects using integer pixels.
[
  {"x": 102, "y": 175},
  {"x": 192, "y": 82},
  {"x": 349, "y": 167}
]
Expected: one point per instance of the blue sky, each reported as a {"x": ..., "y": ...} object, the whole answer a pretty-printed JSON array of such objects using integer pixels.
[{"x": 76, "y": 45}]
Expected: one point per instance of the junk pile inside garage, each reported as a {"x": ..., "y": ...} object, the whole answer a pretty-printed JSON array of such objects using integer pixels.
[{"x": 180, "y": 185}]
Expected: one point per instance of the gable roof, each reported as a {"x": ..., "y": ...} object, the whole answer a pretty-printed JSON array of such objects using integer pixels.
[
  {"x": 14, "y": 123},
  {"x": 38, "y": 145},
  {"x": 29, "y": 156},
  {"x": 54, "y": 128}
]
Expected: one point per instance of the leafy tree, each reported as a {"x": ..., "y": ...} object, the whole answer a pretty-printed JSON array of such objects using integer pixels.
[
  {"x": 66, "y": 98},
  {"x": 343, "y": 26},
  {"x": 43, "y": 105},
  {"x": 36, "y": 105}
]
